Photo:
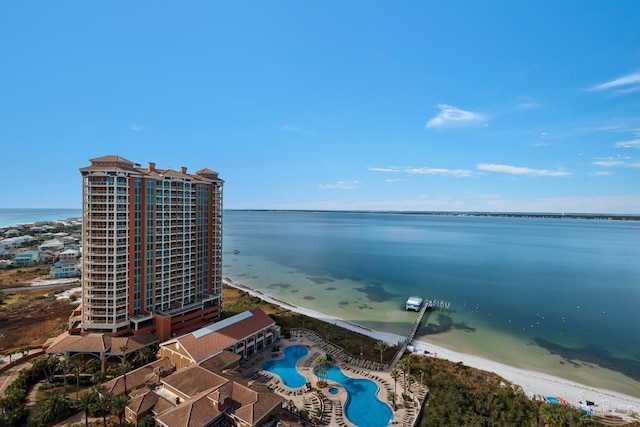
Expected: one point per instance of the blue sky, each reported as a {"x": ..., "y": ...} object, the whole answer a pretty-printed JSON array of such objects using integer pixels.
[{"x": 464, "y": 105}]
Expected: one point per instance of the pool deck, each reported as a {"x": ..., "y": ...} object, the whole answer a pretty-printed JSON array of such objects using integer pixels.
[{"x": 330, "y": 405}]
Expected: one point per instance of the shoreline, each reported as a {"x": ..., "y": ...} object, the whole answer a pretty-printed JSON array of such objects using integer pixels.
[{"x": 608, "y": 402}]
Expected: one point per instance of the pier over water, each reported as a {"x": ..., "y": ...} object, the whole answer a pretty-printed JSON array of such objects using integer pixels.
[{"x": 427, "y": 304}]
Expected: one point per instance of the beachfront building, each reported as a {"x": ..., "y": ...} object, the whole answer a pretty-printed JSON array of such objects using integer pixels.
[
  {"x": 242, "y": 335},
  {"x": 152, "y": 248}
]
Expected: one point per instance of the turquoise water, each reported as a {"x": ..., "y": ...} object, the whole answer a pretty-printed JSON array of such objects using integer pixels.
[
  {"x": 10, "y": 217},
  {"x": 286, "y": 368},
  {"x": 362, "y": 407},
  {"x": 516, "y": 284}
]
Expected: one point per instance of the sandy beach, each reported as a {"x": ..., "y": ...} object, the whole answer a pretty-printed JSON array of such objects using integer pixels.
[{"x": 533, "y": 383}]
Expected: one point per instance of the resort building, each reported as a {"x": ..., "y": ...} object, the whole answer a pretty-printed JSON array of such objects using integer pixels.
[
  {"x": 152, "y": 249},
  {"x": 196, "y": 396},
  {"x": 242, "y": 335}
]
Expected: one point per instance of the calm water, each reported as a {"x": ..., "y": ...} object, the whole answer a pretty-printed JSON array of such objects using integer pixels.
[
  {"x": 9, "y": 217},
  {"x": 286, "y": 369},
  {"x": 569, "y": 286}
]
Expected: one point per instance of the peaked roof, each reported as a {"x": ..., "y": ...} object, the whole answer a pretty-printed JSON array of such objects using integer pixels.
[
  {"x": 201, "y": 344},
  {"x": 99, "y": 343},
  {"x": 137, "y": 377},
  {"x": 245, "y": 402}
]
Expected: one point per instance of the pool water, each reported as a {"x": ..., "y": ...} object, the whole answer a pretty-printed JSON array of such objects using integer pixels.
[
  {"x": 285, "y": 368},
  {"x": 333, "y": 390},
  {"x": 362, "y": 407}
]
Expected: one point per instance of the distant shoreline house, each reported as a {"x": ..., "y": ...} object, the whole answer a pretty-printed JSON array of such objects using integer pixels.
[{"x": 65, "y": 268}]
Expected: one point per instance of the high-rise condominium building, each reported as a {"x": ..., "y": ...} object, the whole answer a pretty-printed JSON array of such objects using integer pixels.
[{"x": 152, "y": 248}]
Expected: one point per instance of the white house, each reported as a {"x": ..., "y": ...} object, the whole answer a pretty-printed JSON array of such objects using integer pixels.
[
  {"x": 64, "y": 268},
  {"x": 53, "y": 244}
]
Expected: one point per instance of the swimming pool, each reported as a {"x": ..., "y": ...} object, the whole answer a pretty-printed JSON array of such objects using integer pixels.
[
  {"x": 362, "y": 407},
  {"x": 285, "y": 368}
]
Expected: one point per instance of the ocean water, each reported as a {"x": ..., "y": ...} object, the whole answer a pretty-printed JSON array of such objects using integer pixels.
[
  {"x": 15, "y": 216},
  {"x": 560, "y": 296}
]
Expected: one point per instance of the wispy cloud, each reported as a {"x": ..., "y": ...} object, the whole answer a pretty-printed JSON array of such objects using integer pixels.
[
  {"x": 527, "y": 106},
  {"x": 634, "y": 143},
  {"x": 627, "y": 84},
  {"x": 392, "y": 169},
  {"x": 452, "y": 117},
  {"x": 293, "y": 129},
  {"x": 519, "y": 170},
  {"x": 136, "y": 128},
  {"x": 608, "y": 163},
  {"x": 426, "y": 171},
  {"x": 440, "y": 171},
  {"x": 340, "y": 185},
  {"x": 602, "y": 173},
  {"x": 615, "y": 161}
]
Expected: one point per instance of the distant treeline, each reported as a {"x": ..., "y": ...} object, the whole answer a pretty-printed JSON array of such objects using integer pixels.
[{"x": 602, "y": 216}]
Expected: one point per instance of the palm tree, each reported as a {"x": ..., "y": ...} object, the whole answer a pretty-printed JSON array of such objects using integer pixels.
[
  {"x": 124, "y": 368},
  {"x": 144, "y": 355},
  {"x": 85, "y": 402},
  {"x": 55, "y": 406},
  {"x": 47, "y": 364},
  {"x": 103, "y": 406},
  {"x": 323, "y": 364},
  {"x": 395, "y": 373},
  {"x": 77, "y": 369},
  {"x": 381, "y": 346},
  {"x": 92, "y": 366},
  {"x": 405, "y": 366},
  {"x": 123, "y": 349},
  {"x": 118, "y": 405},
  {"x": 24, "y": 350}
]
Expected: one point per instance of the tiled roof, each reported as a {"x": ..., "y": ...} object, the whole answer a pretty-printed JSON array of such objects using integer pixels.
[
  {"x": 195, "y": 412},
  {"x": 137, "y": 377},
  {"x": 215, "y": 342},
  {"x": 100, "y": 343},
  {"x": 220, "y": 361},
  {"x": 246, "y": 403},
  {"x": 111, "y": 158},
  {"x": 193, "y": 380}
]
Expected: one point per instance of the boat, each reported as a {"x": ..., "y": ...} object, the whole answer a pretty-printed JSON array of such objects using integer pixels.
[{"x": 414, "y": 303}]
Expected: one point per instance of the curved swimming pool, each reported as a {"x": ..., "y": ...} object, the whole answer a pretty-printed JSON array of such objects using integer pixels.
[
  {"x": 286, "y": 369},
  {"x": 362, "y": 408}
]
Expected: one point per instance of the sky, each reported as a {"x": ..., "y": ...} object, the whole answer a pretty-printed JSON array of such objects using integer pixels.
[{"x": 339, "y": 105}]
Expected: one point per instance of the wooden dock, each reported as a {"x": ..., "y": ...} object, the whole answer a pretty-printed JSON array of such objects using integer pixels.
[{"x": 426, "y": 305}]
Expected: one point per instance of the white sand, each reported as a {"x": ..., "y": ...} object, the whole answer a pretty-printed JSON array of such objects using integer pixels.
[{"x": 607, "y": 402}]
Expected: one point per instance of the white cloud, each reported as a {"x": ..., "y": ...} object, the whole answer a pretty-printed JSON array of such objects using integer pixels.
[
  {"x": 451, "y": 116},
  {"x": 634, "y": 143},
  {"x": 439, "y": 171},
  {"x": 392, "y": 169},
  {"x": 340, "y": 185},
  {"x": 395, "y": 180},
  {"x": 136, "y": 128},
  {"x": 608, "y": 163},
  {"x": 629, "y": 83},
  {"x": 602, "y": 173},
  {"x": 518, "y": 170},
  {"x": 426, "y": 171}
]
